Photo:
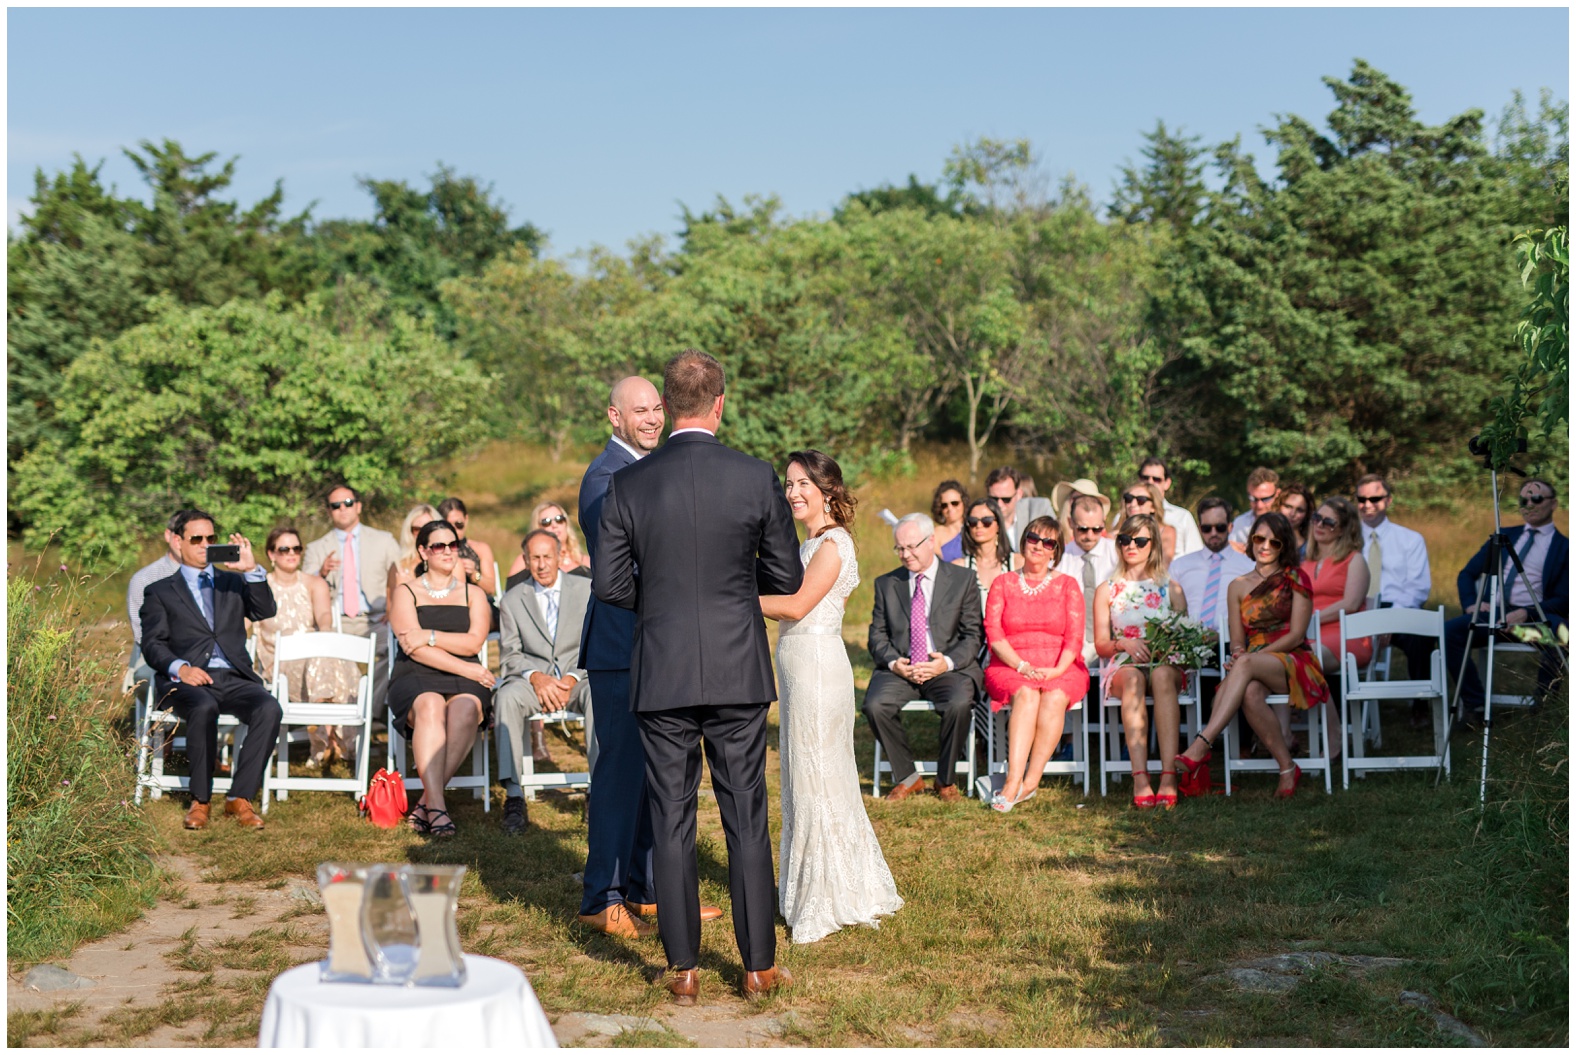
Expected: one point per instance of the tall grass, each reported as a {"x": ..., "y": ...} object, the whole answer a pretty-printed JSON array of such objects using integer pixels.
[{"x": 79, "y": 852}]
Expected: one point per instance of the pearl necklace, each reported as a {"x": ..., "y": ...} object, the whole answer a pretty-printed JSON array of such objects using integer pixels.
[
  {"x": 1030, "y": 591},
  {"x": 438, "y": 595}
]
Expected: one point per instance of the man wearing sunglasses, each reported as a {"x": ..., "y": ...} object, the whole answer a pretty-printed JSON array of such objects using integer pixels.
[
  {"x": 355, "y": 559},
  {"x": 138, "y": 673},
  {"x": 1005, "y": 485},
  {"x": 1398, "y": 572},
  {"x": 1090, "y": 557},
  {"x": 1544, "y": 578},
  {"x": 194, "y": 638},
  {"x": 1205, "y": 574},
  {"x": 1152, "y": 470}
]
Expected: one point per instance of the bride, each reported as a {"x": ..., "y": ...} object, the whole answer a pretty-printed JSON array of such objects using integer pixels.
[{"x": 831, "y": 872}]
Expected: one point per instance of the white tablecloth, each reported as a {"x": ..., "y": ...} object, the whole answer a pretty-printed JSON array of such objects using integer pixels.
[{"x": 495, "y": 1008}]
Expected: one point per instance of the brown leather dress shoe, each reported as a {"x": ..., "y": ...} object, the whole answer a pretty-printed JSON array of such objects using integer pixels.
[
  {"x": 684, "y": 985},
  {"x": 707, "y": 912},
  {"x": 197, "y": 816},
  {"x": 617, "y": 921},
  {"x": 949, "y": 793},
  {"x": 904, "y": 790},
  {"x": 241, "y": 810},
  {"x": 758, "y": 984}
]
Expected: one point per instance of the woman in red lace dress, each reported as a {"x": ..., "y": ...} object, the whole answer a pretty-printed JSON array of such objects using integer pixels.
[
  {"x": 1270, "y": 608},
  {"x": 1034, "y": 624}
]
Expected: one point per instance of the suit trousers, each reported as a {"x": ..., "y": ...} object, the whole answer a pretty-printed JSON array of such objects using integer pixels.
[
  {"x": 1460, "y": 636},
  {"x": 199, "y": 706},
  {"x": 514, "y": 702},
  {"x": 953, "y": 695},
  {"x": 734, "y": 738},
  {"x": 618, "y": 819}
]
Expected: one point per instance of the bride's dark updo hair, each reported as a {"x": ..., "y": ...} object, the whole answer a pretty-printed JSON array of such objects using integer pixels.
[{"x": 825, "y": 473}]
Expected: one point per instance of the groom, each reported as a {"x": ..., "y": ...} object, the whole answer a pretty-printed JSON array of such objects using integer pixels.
[{"x": 691, "y": 536}]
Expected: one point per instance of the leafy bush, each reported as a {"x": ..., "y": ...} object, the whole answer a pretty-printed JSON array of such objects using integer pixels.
[{"x": 79, "y": 863}]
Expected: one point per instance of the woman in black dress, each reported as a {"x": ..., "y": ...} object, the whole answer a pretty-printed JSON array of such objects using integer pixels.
[{"x": 439, "y": 692}]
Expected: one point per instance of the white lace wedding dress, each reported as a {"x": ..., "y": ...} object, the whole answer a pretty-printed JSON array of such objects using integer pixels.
[{"x": 831, "y": 873}]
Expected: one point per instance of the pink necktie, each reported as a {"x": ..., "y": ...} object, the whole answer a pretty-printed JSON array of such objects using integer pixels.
[
  {"x": 918, "y": 624},
  {"x": 349, "y": 582}
]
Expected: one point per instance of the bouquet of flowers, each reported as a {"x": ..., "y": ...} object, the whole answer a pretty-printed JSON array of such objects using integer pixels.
[
  {"x": 1181, "y": 641},
  {"x": 1540, "y": 634}
]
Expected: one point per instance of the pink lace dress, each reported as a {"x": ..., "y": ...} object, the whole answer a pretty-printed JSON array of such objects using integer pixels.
[{"x": 1037, "y": 621}]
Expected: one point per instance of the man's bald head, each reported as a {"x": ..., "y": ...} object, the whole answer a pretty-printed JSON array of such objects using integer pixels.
[{"x": 634, "y": 409}]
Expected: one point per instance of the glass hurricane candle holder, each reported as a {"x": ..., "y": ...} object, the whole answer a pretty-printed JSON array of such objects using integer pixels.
[
  {"x": 388, "y": 927},
  {"x": 434, "y": 895},
  {"x": 342, "y": 886}
]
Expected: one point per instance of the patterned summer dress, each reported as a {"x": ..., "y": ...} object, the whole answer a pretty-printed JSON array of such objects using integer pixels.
[
  {"x": 1266, "y": 615},
  {"x": 1133, "y": 606}
]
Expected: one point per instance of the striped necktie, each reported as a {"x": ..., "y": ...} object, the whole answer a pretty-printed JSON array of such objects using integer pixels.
[{"x": 1206, "y": 614}]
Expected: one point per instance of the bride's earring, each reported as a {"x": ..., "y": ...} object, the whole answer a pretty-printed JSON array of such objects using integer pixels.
[{"x": 826, "y": 507}]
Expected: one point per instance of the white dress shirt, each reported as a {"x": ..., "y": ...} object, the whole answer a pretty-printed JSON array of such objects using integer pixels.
[
  {"x": 1240, "y": 528},
  {"x": 1188, "y": 538},
  {"x": 1404, "y": 579},
  {"x": 1072, "y": 563},
  {"x": 1191, "y": 574},
  {"x": 1525, "y": 589},
  {"x": 929, "y": 591},
  {"x": 636, "y": 454}
]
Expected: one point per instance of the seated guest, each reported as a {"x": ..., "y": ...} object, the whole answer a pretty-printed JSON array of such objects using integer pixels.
[
  {"x": 1140, "y": 591},
  {"x": 1005, "y": 485},
  {"x": 925, "y": 643},
  {"x": 1339, "y": 576},
  {"x": 1145, "y": 499},
  {"x": 476, "y": 555},
  {"x": 539, "y": 624},
  {"x": 985, "y": 549},
  {"x": 1295, "y": 503},
  {"x": 439, "y": 694},
  {"x": 137, "y": 669},
  {"x": 1270, "y": 608},
  {"x": 1152, "y": 470},
  {"x": 1263, "y": 493},
  {"x": 1545, "y": 557},
  {"x": 1034, "y": 625},
  {"x": 194, "y": 638},
  {"x": 1398, "y": 575},
  {"x": 303, "y": 604},
  {"x": 946, "y": 509},
  {"x": 404, "y": 569},
  {"x": 551, "y": 517},
  {"x": 1204, "y": 575},
  {"x": 1089, "y": 557}
]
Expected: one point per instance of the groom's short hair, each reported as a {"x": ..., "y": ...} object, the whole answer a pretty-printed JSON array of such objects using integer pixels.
[{"x": 691, "y": 381}]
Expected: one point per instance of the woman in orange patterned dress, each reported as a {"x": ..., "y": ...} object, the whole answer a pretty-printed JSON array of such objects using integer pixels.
[{"x": 1270, "y": 609}]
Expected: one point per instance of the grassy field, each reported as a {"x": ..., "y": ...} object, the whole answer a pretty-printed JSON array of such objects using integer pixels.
[{"x": 1072, "y": 921}]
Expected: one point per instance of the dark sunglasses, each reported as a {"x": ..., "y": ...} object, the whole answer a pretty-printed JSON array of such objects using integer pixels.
[
  {"x": 346, "y": 504},
  {"x": 952, "y": 504},
  {"x": 1534, "y": 500},
  {"x": 199, "y": 539},
  {"x": 1029, "y": 536},
  {"x": 988, "y": 521},
  {"x": 1364, "y": 500},
  {"x": 444, "y": 547},
  {"x": 287, "y": 549},
  {"x": 1156, "y": 480},
  {"x": 1214, "y": 529},
  {"x": 1272, "y": 543},
  {"x": 1137, "y": 499},
  {"x": 559, "y": 519},
  {"x": 1141, "y": 541},
  {"x": 1328, "y": 522},
  {"x": 1261, "y": 501},
  {"x": 1085, "y": 530}
]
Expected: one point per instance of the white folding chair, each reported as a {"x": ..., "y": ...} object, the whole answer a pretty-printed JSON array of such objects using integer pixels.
[
  {"x": 480, "y": 780},
  {"x": 993, "y": 726},
  {"x": 1315, "y": 738},
  {"x": 1369, "y": 691},
  {"x": 1111, "y": 733},
  {"x": 356, "y": 713},
  {"x": 964, "y": 766}
]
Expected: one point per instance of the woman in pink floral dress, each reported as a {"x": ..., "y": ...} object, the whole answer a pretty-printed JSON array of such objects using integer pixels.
[{"x": 1138, "y": 592}]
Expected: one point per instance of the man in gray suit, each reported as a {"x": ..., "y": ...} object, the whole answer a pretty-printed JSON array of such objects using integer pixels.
[
  {"x": 1005, "y": 485},
  {"x": 355, "y": 559},
  {"x": 539, "y": 623}
]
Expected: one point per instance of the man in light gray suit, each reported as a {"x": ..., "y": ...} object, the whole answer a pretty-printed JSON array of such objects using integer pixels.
[
  {"x": 355, "y": 559},
  {"x": 539, "y": 623}
]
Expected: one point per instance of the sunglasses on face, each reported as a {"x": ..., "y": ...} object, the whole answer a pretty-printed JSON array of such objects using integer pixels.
[
  {"x": 1528, "y": 501},
  {"x": 1007, "y": 501},
  {"x": 1156, "y": 480},
  {"x": 977, "y": 521},
  {"x": 1137, "y": 500},
  {"x": 285, "y": 550},
  {"x": 1272, "y": 543},
  {"x": 200, "y": 539},
  {"x": 1324, "y": 521},
  {"x": 559, "y": 519},
  {"x": 1141, "y": 541},
  {"x": 1086, "y": 530},
  {"x": 443, "y": 547},
  {"x": 1261, "y": 501},
  {"x": 1214, "y": 529},
  {"x": 1371, "y": 500},
  {"x": 1029, "y": 536},
  {"x": 456, "y": 524},
  {"x": 346, "y": 504},
  {"x": 953, "y": 504}
]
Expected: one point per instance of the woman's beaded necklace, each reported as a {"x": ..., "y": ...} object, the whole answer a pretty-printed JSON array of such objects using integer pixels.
[
  {"x": 438, "y": 595},
  {"x": 1030, "y": 591}
]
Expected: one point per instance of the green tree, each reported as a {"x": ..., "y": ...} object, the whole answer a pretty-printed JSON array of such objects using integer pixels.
[
  {"x": 1541, "y": 383},
  {"x": 1169, "y": 187}
]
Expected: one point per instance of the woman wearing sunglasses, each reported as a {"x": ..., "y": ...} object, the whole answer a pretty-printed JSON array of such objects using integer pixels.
[
  {"x": 1137, "y": 592},
  {"x": 1034, "y": 622},
  {"x": 1142, "y": 498},
  {"x": 404, "y": 569},
  {"x": 572, "y": 560},
  {"x": 986, "y": 551},
  {"x": 1270, "y": 608},
  {"x": 438, "y": 691},
  {"x": 946, "y": 509},
  {"x": 305, "y": 605}
]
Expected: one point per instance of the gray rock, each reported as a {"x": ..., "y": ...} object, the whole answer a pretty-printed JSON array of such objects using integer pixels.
[
  {"x": 613, "y": 1025},
  {"x": 1255, "y": 981},
  {"x": 47, "y": 978},
  {"x": 1303, "y": 962},
  {"x": 309, "y": 894},
  {"x": 1445, "y": 1023}
]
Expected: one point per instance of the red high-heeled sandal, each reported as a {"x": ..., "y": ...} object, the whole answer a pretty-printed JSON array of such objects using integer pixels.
[
  {"x": 1296, "y": 780},
  {"x": 1147, "y": 800}
]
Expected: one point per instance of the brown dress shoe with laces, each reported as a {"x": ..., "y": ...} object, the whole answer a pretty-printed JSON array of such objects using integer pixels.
[
  {"x": 241, "y": 810},
  {"x": 619, "y": 922},
  {"x": 707, "y": 912},
  {"x": 758, "y": 984},
  {"x": 197, "y": 816},
  {"x": 949, "y": 793},
  {"x": 684, "y": 985},
  {"x": 904, "y": 790}
]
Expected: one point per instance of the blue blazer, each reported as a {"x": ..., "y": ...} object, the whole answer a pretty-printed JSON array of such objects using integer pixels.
[
  {"x": 608, "y": 635},
  {"x": 1556, "y": 575}
]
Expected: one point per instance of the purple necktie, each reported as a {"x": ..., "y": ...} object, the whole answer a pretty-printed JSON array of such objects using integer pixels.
[{"x": 918, "y": 624}]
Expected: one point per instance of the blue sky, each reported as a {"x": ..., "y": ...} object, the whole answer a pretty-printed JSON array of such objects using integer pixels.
[{"x": 595, "y": 124}]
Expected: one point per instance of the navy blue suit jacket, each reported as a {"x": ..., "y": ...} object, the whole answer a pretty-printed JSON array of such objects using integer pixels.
[
  {"x": 1556, "y": 575},
  {"x": 608, "y": 635}
]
